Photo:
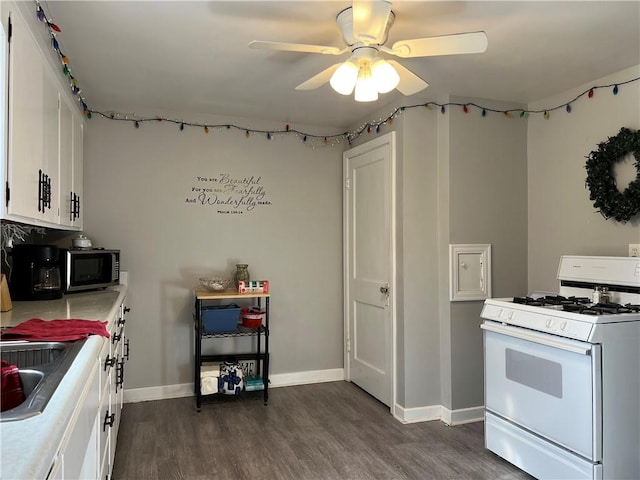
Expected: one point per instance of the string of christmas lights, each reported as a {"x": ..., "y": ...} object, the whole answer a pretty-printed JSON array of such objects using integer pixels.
[
  {"x": 313, "y": 140},
  {"x": 53, "y": 30}
]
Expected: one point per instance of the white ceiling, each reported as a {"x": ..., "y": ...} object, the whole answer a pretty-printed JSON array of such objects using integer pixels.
[{"x": 192, "y": 56}]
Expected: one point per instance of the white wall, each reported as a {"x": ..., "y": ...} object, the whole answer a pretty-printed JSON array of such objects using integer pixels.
[
  {"x": 562, "y": 219},
  {"x": 137, "y": 182}
]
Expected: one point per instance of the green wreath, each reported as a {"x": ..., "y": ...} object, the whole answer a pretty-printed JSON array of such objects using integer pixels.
[{"x": 611, "y": 202}]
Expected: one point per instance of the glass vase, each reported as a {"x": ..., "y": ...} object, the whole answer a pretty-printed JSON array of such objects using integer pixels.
[{"x": 241, "y": 274}]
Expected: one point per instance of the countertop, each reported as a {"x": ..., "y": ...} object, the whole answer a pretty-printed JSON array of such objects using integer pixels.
[{"x": 29, "y": 446}]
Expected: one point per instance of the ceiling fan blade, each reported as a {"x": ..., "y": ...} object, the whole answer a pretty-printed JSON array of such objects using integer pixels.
[
  {"x": 409, "y": 83},
  {"x": 318, "y": 80},
  {"x": 296, "y": 47},
  {"x": 475, "y": 42},
  {"x": 371, "y": 20}
]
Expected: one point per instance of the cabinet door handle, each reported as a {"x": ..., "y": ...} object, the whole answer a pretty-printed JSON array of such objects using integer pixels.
[
  {"x": 127, "y": 309},
  {"x": 109, "y": 362},
  {"x": 48, "y": 192},
  {"x": 109, "y": 420},
  {"x": 116, "y": 338},
  {"x": 119, "y": 375},
  {"x": 126, "y": 349},
  {"x": 121, "y": 321},
  {"x": 40, "y": 191}
]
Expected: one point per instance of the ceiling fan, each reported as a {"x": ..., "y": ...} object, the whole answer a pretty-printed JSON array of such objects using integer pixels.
[{"x": 365, "y": 30}]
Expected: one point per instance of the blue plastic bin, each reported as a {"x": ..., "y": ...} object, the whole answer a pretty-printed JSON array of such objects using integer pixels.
[{"x": 220, "y": 318}]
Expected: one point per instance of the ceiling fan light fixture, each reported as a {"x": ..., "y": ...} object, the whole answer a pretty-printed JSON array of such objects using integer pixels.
[
  {"x": 385, "y": 76},
  {"x": 366, "y": 88},
  {"x": 344, "y": 78}
]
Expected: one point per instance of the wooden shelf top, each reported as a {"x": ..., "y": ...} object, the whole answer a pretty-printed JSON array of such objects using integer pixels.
[{"x": 202, "y": 294}]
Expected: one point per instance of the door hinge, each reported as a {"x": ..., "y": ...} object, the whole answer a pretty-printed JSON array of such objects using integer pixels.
[
  {"x": 348, "y": 345},
  {"x": 347, "y": 184}
]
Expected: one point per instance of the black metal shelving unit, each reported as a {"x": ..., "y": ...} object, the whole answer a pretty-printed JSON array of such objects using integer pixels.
[{"x": 260, "y": 355}]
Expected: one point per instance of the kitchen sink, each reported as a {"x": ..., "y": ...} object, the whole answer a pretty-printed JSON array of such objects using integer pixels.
[{"x": 42, "y": 366}]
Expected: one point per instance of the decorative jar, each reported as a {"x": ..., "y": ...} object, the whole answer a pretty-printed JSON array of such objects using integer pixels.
[{"x": 241, "y": 274}]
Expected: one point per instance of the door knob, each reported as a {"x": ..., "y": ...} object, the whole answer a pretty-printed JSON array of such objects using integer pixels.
[{"x": 384, "y": 290}]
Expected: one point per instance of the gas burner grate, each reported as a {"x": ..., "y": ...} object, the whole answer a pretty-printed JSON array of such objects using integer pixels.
[
  {"x": 602, "y": 309},
  {"x": 552, "y": 300}
]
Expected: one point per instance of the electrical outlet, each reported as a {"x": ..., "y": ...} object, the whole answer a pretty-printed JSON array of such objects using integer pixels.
[{"x": 634, "y": 249}]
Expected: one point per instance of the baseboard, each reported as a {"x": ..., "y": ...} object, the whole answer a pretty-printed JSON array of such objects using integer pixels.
[
  {"x": 163, "y": 392},
  {"x": 417, "y": 414},
  {"x": 438, "y": 412},
  {"x": 462, "y": 415}
]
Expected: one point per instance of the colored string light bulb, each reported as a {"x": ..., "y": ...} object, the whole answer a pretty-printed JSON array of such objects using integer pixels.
[
  {"x": 54, "y": 27},
  {"x": 507, "y": 115},
  {"x": 568, "y": 108},
  {"x": 304, "y": 139},
  {"x": 465, "y": 109},
  {"x": 522, "y": 113},
  {"x": 368, "y": 129},
  {"x": 181, "y": 127},
  {"x": 287, "y": 127},
  {"x": 428, "y": 106},
  {"x": 137, "y": 124},
  {"x": 89, "y": 115},
  {"x": 615, "y": 90},
  {"x": 484, "y": 112},
  {"x": 65, "y": 70},
  {"x": 443, "y": 110},
  {"x": 378, "y": 128},
  {"x": 55, "y": 44},
  {"x": 325, "y": 140},
  {"x": 40, "y": 13},
  {"x": 546, "y": 115},
  {"x": 206, "y": 129},
  {"x": 590, "y": 95}
]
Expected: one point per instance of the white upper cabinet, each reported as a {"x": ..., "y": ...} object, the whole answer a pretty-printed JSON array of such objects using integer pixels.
[
  {"x": 42, "y": 184},
  {"x": 70, "y": 124}
]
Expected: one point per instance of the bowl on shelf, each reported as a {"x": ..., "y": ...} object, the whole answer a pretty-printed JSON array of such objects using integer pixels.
[
  {"x": 252, "y": 317},
  {"x": 216, "y": 284}
]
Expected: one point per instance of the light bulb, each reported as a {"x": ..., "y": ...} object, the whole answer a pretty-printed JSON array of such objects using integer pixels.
[
  {"x": 385, "y": 76},
  {"x": 366, "y": 89},
  {"x": 344, "y": 78}
]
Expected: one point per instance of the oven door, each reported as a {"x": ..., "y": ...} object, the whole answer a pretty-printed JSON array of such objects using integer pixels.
[{"x": 546, "y": 384}]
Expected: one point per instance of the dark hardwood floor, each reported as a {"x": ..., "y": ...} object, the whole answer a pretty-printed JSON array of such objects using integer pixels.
[{"x": 318, "y": 432}]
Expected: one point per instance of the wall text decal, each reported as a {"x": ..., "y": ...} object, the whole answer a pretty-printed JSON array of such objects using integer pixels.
[{"x": 229, "y": 195}]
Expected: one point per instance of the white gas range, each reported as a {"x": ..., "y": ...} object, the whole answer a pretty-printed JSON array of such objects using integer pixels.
[{"x": 562, "y": 373}]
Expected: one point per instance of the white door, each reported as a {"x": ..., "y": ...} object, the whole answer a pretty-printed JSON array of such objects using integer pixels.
[{"x": 369, "y": 174}]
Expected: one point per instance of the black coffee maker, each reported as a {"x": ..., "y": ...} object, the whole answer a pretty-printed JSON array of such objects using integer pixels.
[{"x": 35, "y": 274}]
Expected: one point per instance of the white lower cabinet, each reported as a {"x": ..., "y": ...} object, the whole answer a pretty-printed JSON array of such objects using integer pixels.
[{"x": 87, "y": 450}]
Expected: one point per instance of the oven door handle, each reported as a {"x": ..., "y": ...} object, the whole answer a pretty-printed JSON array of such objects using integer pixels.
[{"x": 572, "y": 346}]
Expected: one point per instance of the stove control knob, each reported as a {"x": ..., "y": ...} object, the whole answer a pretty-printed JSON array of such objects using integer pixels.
[
  {"x": 510, "y": 315},
  {"x": 549, "y": 323},
  {"x": 499, "y": 313},
  {"x": 563, "y": 326}
]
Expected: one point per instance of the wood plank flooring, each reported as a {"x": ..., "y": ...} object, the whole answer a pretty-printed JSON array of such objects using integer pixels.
[{"x": 322, "y": 431}]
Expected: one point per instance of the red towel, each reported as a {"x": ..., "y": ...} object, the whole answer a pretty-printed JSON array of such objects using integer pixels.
[
  {"x": 55, "y": 330},
  {"x": 12, "y": 394}
]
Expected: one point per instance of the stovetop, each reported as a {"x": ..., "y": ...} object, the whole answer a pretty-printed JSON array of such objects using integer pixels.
[
  {"x": 581, "y": 305},
  {"x": 571, "y": 312}
]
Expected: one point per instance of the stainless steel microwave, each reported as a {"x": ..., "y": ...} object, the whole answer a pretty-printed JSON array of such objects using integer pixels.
[{"x": 89, "y": 269}]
